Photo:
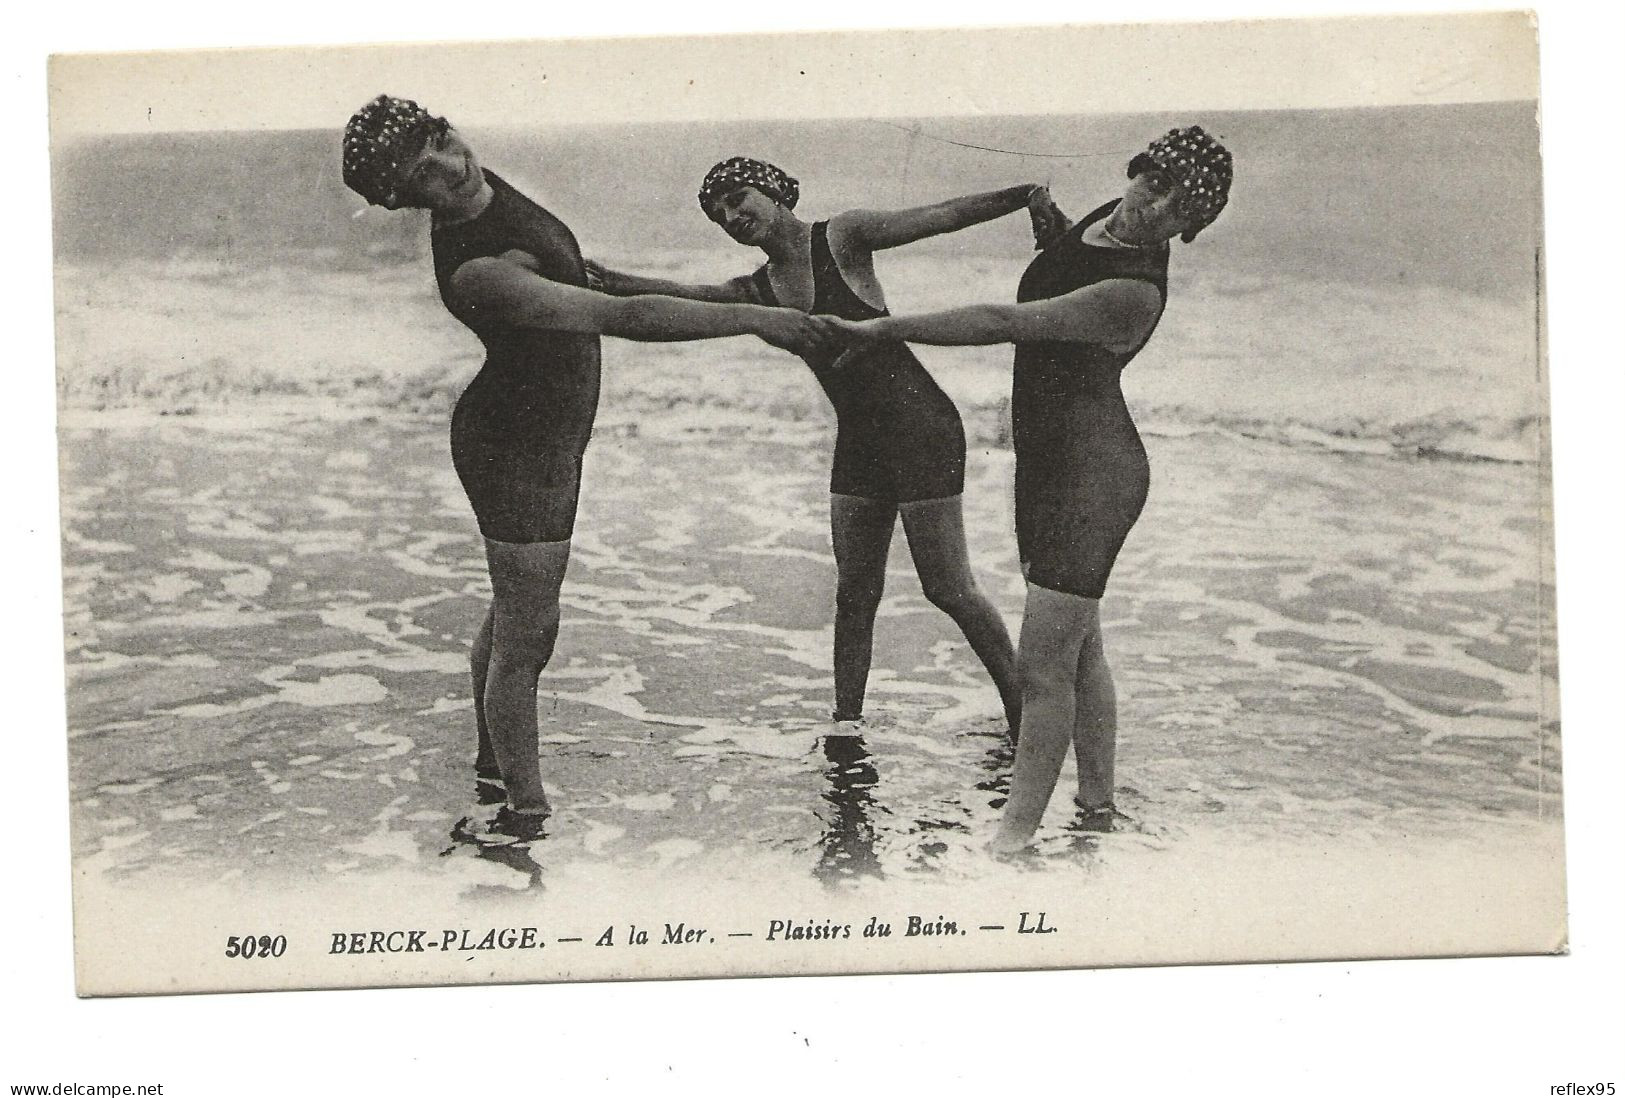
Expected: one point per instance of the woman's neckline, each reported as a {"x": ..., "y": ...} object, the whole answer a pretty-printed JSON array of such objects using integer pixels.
[
  {"x": 490, "y": 182},
  {"x": 1119, "y": 248}
]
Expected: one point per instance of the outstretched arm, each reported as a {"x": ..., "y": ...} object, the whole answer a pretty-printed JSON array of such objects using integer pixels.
[
  {"x": 504, "y": 290},
  {"x": 1117, "y": 313},
  {"x": 877, "y": 229},
  {"x": 619, "y": 283}
]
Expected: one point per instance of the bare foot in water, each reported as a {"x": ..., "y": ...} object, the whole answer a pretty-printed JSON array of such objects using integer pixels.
[
  {"x": 508, "y": 827},
  {"x": 1008, "y": 843},
  {"x": 1102, "y": 819},
  {"x": 523, "y": 824},
  {"x": 540, "y": 808},
  {"x": 490, "y": 788}
]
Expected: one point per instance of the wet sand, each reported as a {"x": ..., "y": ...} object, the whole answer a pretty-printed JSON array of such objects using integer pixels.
[{"x": 268, "y": 625}]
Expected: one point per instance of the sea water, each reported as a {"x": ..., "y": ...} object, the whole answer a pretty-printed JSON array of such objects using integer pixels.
[{"x": 1333, "y": 621}]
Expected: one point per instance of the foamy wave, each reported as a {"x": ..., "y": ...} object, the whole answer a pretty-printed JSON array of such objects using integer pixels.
[
  {"x": 1415, "y": 371},
  {"x": 1517, "y": 441}
]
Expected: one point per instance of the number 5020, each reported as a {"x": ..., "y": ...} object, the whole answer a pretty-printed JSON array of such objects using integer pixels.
[{"x": 263, "y": 945}]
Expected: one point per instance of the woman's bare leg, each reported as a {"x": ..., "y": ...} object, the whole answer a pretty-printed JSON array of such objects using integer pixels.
[
  {"x": 1094, "y": 731},
  {"x": 479, "y": 665},
  {"x": 860, "y": 530},
  {"x": 1053, "y": 632},
  {"x": 525, "y": 581},
  {"x": 936, "y": 539}
]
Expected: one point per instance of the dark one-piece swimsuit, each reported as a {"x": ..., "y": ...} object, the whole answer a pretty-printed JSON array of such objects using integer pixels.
[
  {"x": 521, "y": 427},
  {"x": 1081, "y": 470},
  {"x": 898, "y": 435}
]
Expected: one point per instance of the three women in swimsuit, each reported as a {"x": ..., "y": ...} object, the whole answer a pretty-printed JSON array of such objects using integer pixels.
[{"x": 513, "y": 273}]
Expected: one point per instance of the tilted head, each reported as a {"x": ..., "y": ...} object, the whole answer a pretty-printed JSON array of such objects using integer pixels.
[
  {"x": 1197, "y": 167},
  {"x": 382, "y": 137},
  {"x": 742, "y": 171}
]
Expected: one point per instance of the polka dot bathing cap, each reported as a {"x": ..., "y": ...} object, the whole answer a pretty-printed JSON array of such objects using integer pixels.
[
  {"x": 742, "y": 171},
  {"x": 378, "y": 137},
  {"x": 1199, "y": 164}
]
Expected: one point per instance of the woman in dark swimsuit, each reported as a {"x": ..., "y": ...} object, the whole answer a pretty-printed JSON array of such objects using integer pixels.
[
  {"x": 512, "y": 272},
  {"x": 900, "y": 447},
  {"x": 1085, "y": 307}
]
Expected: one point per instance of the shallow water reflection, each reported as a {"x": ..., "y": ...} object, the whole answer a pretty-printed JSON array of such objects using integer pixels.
[
  {"x": 847, "y": 847},
  {"x": 275, "y": 678}
]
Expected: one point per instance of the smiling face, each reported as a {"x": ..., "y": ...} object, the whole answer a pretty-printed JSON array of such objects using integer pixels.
[
  {"x": 443, "y": 175},
  {"x": 745, "y": 214},
  {"x": 1152, "y": 209}
]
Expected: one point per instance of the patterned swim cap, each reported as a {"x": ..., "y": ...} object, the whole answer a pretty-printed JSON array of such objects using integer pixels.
[
  {"x": 379, "y": 136},
  {"x": 1199, "y": 164},
  {"x": 742, "y": 171}
]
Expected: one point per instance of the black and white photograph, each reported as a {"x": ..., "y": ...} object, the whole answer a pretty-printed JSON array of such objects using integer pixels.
[
  {"x": 172, "y": 248},
  {"x": 966, "y": 499}
]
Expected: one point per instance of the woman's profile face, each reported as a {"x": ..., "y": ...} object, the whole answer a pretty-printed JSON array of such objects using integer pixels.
[
  {"x": 442, "y": 174},
  {"x": 1151, "y": 207},
  {"x": 745, "y": 214}
]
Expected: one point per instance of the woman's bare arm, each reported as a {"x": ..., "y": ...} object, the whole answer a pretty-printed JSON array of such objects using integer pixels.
[
  {"x": 504, "y": 290},
  {"x": 1117, "y": 313},
  {"x": 737, "y": 291},
  {"x": 877, "y": 229}
]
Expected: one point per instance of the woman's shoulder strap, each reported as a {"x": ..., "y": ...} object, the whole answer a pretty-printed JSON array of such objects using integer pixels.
[
  {"x": 763, "y": 286},
  {"x": 1098, "y": 213}
]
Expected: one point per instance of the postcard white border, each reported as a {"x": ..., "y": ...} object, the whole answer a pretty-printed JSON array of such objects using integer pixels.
[{"x": 1293, "y": 1021}]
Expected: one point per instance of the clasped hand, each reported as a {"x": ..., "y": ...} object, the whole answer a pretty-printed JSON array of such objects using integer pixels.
[
  {"x": 1049, "y": 223},
  {"x": 812, "y": 334}
]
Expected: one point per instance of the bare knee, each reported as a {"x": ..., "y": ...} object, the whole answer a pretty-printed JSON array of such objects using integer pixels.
[
  {"x": 1092, "y": 654},
  {"x": 856, "y": 608},
  {"x": 953, "y": 599},
  {"x": 525, "y": 640},
  {"x": 1045, "y": 674},
  {"x": 857, "y": 596}
]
